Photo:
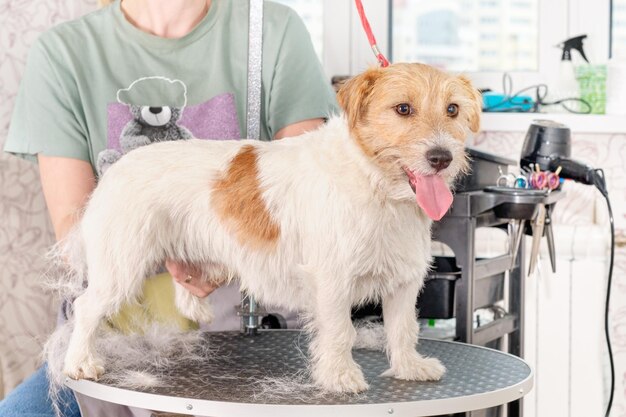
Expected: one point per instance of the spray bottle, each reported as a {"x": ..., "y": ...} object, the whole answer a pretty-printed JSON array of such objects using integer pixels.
[{"x": 567, "y": 86}]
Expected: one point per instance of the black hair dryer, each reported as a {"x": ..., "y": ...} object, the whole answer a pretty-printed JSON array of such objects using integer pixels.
[{"x": 548, "y": 144}]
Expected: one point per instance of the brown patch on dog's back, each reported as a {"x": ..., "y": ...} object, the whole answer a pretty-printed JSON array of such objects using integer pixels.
[{"x": 239, "y": 203}]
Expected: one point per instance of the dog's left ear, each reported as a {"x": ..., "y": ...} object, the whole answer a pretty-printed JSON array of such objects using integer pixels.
[
  {"x": 474, "y": 105},
  {"x": 353, "y": 96}
]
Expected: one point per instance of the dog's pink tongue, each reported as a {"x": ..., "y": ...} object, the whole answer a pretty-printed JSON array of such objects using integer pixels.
[{"x": 432, "y": 194}]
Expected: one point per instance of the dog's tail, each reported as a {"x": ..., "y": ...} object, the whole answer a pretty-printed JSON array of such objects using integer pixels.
[{"x": 67, "y": 274}]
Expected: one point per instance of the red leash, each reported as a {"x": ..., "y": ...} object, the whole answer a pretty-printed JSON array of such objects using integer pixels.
[{"x": 370, "y": 36}]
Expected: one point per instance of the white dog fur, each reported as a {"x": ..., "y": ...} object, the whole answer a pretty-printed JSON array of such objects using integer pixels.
[{"x": 317, "y": 223}]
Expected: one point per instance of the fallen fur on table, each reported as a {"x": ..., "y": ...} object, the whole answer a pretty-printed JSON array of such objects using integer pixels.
[
  {"x": 132, "y": 361},
  {"x": 299, "y": 385},
  {"x": 370, "y": 335},
  {"x": 140, "y": 361}
]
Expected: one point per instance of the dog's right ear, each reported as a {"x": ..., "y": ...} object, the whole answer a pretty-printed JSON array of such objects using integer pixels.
[{"x": 353, "y": 95}]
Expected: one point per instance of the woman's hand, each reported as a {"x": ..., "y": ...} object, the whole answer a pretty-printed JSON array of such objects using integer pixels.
[{"x": 190, "y": 277}]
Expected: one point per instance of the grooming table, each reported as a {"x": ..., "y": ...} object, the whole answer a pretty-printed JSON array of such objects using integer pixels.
[{"x": 232, "y": 382}]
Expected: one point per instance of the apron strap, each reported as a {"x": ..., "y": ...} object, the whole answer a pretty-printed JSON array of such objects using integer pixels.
[
  {"x": 248, "y": 310},
  {"x": 255, "y": 60}
]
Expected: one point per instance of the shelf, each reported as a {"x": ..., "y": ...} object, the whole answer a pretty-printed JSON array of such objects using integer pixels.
[
  {"x": 495, "y": 330},
  {"x": 578, "y": 123},
  {"x": 491, "y": 266}
]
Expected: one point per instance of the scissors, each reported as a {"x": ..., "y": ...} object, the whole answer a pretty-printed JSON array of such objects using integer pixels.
[
  {"x": 537, "y": 224},
  {"x": 542, "y": 222},
  {"x": 538, "y": 180},
  {"x": 550, "y": 237},
  {"x": 544, "y": 180}
]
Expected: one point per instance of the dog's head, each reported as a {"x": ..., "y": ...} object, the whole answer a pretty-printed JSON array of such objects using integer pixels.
[{"x": 412, "y": 120}]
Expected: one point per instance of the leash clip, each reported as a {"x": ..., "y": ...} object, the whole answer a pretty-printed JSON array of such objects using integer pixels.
[{"x": 370, "y": 35}]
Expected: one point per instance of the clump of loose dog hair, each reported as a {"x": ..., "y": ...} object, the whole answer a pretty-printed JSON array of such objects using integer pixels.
[
  {"x": 66, "y": 275},
  {"x": 132, "y": 379},
  {"x": 133, "y": 361},
  {"x": 370, "y": 335},
  {"x": 298, "y": 386}
]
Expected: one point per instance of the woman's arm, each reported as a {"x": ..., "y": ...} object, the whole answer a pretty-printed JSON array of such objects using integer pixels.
[
  {"x": 67, "y": 184},
  {"x": 296, "y": 129}
]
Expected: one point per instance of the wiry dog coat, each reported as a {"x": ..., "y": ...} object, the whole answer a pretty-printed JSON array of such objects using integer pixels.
[{"x": 318, "y": 223}]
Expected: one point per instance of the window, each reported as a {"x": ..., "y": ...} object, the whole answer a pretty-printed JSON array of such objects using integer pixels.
[
  {"x": 618, "y": 40},
  {"x": 327, "y": 23},
  {"x": 521, "y": 4},
  {"x": 481, "y": 38},
  {"x": 458, "y": 35},
  {"x": 312, "y": 13}
]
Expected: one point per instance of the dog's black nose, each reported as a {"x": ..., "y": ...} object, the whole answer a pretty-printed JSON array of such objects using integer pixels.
[
  {"x": 155, "y": 110},
  {"x": 439, "y": 158}
]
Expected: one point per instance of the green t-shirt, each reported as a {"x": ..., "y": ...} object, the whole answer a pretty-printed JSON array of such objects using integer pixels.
[{"x": 83, "y": 78}]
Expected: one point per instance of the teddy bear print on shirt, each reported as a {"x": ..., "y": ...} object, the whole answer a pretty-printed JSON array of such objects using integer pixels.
[{"x": 150, "y": 123}]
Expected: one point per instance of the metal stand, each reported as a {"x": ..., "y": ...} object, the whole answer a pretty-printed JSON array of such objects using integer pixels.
[
  {"x": 481, "y": 279},
  {"x": 250, "y": 312}
]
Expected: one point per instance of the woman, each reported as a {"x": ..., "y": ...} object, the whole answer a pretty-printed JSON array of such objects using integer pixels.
[{"x": 140, "y": 71}]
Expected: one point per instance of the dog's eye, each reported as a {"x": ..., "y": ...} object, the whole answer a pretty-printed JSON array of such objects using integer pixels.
[
  {"x": 453, "y": 110},
  {"x": 404, "y": 109}
]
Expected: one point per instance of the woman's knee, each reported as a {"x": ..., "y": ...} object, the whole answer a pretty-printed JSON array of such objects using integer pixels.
[{"x": 30, "y": 399}]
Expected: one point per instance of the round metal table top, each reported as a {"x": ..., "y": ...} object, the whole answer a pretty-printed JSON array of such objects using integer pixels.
[{"x": 239, "y": 378}]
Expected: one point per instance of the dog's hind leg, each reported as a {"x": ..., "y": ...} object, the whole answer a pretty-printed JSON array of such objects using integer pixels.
[
  {"x": 110, "y": 286},
  {"x": 333, "y": 334},
  {"x": 194, "y": 308},
  {"x": 81, "y": 360},
  {"x": 402, "y": 331}
]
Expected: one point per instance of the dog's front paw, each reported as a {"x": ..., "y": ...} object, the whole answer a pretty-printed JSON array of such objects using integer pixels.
[
  {"x": 417, "y": 369},
  {"x": 341, "y": 379},
  {"x": 88, "y": 368}
]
